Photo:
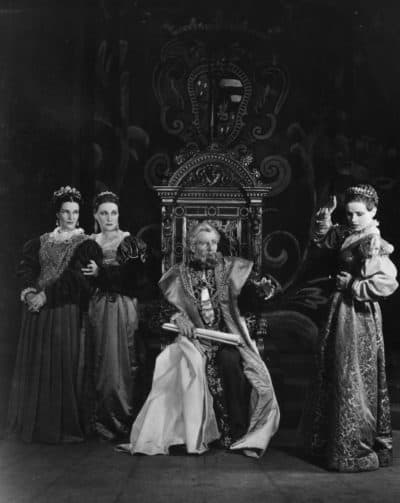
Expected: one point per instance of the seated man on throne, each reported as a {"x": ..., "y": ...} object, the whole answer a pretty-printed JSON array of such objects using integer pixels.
[{"x": 204, "y": 391}]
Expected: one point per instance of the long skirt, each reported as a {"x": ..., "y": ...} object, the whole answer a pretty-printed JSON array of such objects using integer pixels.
[
  {"x": 349, "y": 413},
  {"x": 113, "y": 320},
  {"x": 45, "y": 393}
]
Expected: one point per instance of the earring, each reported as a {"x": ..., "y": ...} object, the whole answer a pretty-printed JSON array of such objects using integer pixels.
[
  {"x": 57, "y": 222},
  {"x": 77, "y": 224},
  {"x": 96, "y": 227}
]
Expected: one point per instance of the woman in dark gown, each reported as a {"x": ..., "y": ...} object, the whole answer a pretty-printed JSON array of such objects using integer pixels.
[
  {"x": 348, "y": 419},
  {"x": 113, "y": 319},
  {"x": 45, "y": 399}
]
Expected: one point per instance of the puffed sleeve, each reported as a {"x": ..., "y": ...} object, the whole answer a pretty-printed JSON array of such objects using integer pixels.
[
  {"x": 73, "y": 286},
  {"x": 28, "y": 268},
  {"x": 128, "y": 275},
  {"x": 378, "y": 273}
]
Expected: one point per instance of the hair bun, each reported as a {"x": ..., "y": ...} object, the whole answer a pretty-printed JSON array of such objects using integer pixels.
[{"x": 105, "y": 197}]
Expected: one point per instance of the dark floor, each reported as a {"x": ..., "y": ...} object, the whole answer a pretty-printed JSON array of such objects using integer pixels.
[{"x": 93, "y": 472}]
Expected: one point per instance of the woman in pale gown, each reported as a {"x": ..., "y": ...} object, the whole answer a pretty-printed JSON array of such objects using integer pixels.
[
  {"x": 347, "y": 422},
  {"x": 113, "y": 319},
  {"x": 46, "y": 398}
]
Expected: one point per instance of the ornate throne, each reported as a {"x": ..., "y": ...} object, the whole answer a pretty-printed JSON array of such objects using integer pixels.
[{"x": 221, "y": 104}]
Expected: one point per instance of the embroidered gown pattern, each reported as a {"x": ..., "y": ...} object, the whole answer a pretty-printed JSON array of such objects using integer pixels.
[{"x": 348, "y": 418}]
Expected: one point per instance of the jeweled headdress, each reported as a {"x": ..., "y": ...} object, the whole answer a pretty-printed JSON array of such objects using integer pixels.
[
  {"x": 67, "y": 191},
  {"x": 366, "y": 192}
]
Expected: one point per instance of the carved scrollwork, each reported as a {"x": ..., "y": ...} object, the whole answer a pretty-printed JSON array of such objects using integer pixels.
[
  {"x": 277, "y": 172},
  {"x": 280, "y": 248},
  {"x": 166, "y": 236},
  {"x": 219, "y": 92},
  {"x": 211, "y": 175},
  {"x": 218, "y": 165},
  {"x": 271, "y": 89},
  {"x": 157, "y": 169},
  {"x": 265, "y": 130},
  {"x": 175, "y": 127}
]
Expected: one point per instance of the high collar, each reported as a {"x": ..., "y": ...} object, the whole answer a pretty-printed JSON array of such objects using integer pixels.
[{"x": 355, "y": 236}]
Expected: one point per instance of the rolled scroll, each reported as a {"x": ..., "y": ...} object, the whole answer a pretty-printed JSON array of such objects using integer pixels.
[{"x": 212, "y": 335}]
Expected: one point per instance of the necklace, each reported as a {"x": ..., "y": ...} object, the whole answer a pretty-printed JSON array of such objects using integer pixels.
[{"x": 60, "y": 234}]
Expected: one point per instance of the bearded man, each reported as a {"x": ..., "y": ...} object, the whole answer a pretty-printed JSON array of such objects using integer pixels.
[{"x": 205, "y": 391}]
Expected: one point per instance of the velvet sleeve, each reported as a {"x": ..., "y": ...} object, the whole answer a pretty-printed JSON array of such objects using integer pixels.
[
  {"x": 28, "y": 268},
  {"x": 73, "y": 286},
  {"x": 129, "y": 275}
]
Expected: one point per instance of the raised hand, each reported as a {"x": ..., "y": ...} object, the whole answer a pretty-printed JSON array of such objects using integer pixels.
[{"x": 326, "y": 211}]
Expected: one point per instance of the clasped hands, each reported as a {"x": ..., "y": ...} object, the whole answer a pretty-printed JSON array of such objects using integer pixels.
[{"x": 35, "y": 301}]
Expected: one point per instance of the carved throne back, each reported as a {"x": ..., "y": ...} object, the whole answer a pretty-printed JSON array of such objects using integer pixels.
[{"x": 216, "y": 186}]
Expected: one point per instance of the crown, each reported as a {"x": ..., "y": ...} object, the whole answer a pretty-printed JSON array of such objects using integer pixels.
[{"x": 67, "y": 191}]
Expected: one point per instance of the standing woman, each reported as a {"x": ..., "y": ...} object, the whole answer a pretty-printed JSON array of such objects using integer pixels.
[
  {"x": 113, "y": 318},
  {"x": 46, "y": 389},
  {"x": 349, "y": 424}
]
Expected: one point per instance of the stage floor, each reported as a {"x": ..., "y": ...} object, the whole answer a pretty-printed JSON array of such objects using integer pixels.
[{"x": 94, "y": 472}]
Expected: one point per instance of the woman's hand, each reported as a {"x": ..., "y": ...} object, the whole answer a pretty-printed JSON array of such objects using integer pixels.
[
  {"x": 185, "y": 326},
  {"x": 92, "y": 269},
  {"x": 36, "y": 302},
  {"x": 326, "y": 211},
  {"x": 343, "y": 280}
]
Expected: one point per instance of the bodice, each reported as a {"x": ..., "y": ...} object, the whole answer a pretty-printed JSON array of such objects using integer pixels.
[
  {"x": 54, "y": 257},
  {"x": 110, "y": 248}
]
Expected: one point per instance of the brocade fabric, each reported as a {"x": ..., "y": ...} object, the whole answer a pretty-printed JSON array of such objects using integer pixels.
[{"x": 347, "y": 422}]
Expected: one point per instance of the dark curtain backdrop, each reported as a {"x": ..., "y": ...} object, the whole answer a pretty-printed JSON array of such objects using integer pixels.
[{"x": 77, "y": 107}]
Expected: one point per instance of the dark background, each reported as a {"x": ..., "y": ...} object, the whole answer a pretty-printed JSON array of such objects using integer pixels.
[{"x": 63, "y": 120}]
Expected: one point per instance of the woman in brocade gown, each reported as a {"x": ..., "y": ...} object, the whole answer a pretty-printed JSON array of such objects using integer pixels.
[
  {"x": 45, "y": 398},
  {"x": 113, "y": 319},
  {"x": 348, "y": 422}
]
